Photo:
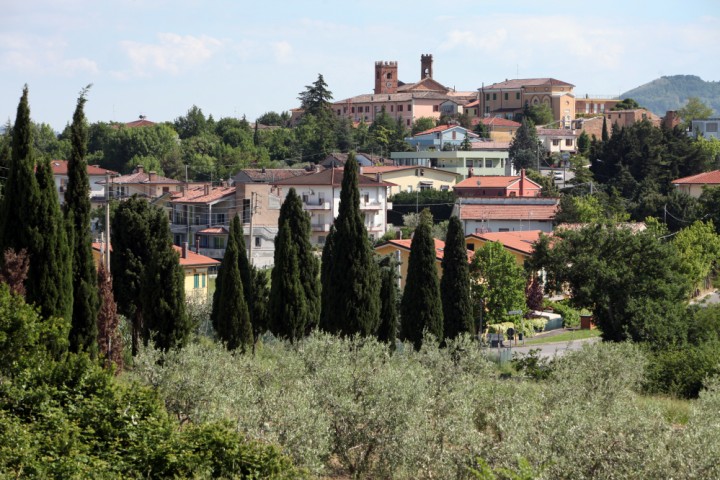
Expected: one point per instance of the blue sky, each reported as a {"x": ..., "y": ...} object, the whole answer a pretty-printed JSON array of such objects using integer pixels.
[{"x": 161, "y": 57}]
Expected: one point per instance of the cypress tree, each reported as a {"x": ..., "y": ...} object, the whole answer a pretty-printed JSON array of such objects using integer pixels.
[
  {"x": 353, "y": 277},
  {"x": 291, "y": 313},
  {"x": 455, "y": 283},
  {"x": 231, "y": 316},
  {"x": 327, "y": 294},
  {"x": 389, "y": 316},
  {"x": 108, "y": 339},
  {"x": 605, "y": 137},
  {"x": 421, "y": 307},
  {"x": 83, "y": 325}
]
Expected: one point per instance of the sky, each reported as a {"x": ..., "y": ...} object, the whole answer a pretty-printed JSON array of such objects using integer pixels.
[{"x": 231, "y": 58}]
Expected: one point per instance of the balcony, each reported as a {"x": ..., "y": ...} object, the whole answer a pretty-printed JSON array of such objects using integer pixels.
[
  {"x": 375, "y": 228},
  {"x": 370, "y": 205},
  {"x": 216, "y": 253},
  {"x": 321, "y": 227},
  {"x": 316, "y": 205}
]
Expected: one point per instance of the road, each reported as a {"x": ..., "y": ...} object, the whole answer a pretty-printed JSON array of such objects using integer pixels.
[{"x": 550, "y": 350}]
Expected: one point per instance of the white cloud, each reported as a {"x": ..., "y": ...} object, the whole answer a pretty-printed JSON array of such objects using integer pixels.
[
  {"x": 283, "y": 51},
  {"x": 41, "y": 55},
  {"x": 172, "y": 54}
]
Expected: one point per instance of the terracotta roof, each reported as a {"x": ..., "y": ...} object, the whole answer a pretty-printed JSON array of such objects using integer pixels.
[
  {"x": 488, "y": 181},
  {"x": 495, "y": 122},
  {"x": 60, "y": 167},
  {"x": 522, "y": 241},
  {"x": 97, "y": 246},
  {"x": 332, "y": 176},
  {"x": 508, "y": 212},
  {"x": 140, "y": 123},
  {"x": 401, "y": 97},
  {"x": 556, "y": 132},
  {"x": 194, "y": 259},
  {"x": 141, "y": 178},
  {"x": 474, "y": 103},
  {"x": 705, "y": 178},
  {"x": 214, "y": 231},
  {"x": 268, "y": 175},
  {"x": 199, "y": 195},
  {"x": 439, "y": 247},
  {"x": 439, "y": 128},
  {"x": 529, "y": 82}
]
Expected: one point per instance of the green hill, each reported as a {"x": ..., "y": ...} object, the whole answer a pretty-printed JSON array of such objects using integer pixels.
[{"x": 671, "y": 93}]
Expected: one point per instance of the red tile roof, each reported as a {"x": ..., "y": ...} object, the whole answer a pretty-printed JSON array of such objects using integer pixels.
[
  {"x": 529, "y": 82},
  {"x": 137, "y": 178},
  {"x": 331, "y": 177},
  {"x": 140, "y": 123},
  {"x": 194, "y": 259},
  {"x": 198, "y": 194},
  {"x": 214, "y": 231},
  {"x": 706, "y": 178},
  {"x": 521, "y": 241},
  {"x": 60, "y": 167},
  {"x": 405, "y": 244},
  {"x": 508, "y": 212},
  {"x": 439, "y": 128},
  {"x": 474, "y": 103},
  {"x": 495, "y": 122},
  {"x": 556, "y": 132},
  {"x": 488, "y": 181}
]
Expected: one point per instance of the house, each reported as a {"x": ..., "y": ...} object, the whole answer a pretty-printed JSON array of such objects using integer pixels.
[
  {"x": 409, "y": 179},
  {"x": 506, "y": 214},
  {"x": 593, "y": 106},
  {"x": 404, "y": 102},
  {"x": 708, "y": 128},
  {"x": 95, "y": 175},
  {"x": 320, "y": 193},
  {"x": 508, "y": 99},
  {"x": 337, "y": 159},
  {"x": 259, "y": 203},
  {"x": 500, "y": 129},
  {"x": 558, "y": 140},
  {"x": 144, "y": 184},
  {"x": 484, "y": 158},
  {"x": 622, "y": 118},
  {"x": 694, "y": 184},
  {"x": 197, "y": 269},
  {"x": 401, "y": 250},
  {"x": 442, "y": 137},
  {"x": 520, "y": 244},
  {"x": 493, "y": 186},
  {"x": 200, "y": 216}
]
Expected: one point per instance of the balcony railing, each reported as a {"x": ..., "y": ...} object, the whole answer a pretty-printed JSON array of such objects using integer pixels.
[
  {"x": 316, "y": 205},
  {"x": 216, "y": 253},
  {"x": 321, "y": 227},
  {"x": 370, "y": 205}
]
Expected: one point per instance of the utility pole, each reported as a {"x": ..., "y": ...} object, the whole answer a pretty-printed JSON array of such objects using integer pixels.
[{"x": 107, "y": 222}]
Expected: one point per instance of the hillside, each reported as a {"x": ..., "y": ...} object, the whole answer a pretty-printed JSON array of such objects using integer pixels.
[{"x": 671, "y": 93}]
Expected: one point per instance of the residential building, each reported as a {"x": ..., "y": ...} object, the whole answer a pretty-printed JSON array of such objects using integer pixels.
[
  {"x": 402, "y": 101},
  {"x": 708, "y": 128},
  {"x": 694, "y": 184},
  {"x": 501, "y": 129},
  {"x": 596, "y": 105},
  {"x": 338, "y": 159},
  {"x": 149, "y": 185},
  {"x": 197, "y": 269},
  {"x": 442, "y": 137},
  {"x": 558, "y": 140},
  {"x": 320, "y": 194},
  {"x": 95, "y": 175},
  {"x": 409, "y": 179},
  {"x": 507, "y": 99},
  {"x": 621, "y": 118},
  {"x": 484, "y": 158},
  {"x": 200, "y": 216},
  {"x": 520, "y": 244},
  {"x": 493, "y": 186},
  {"x": 506, "y": 214},
  {"x": 400, "y": 249}
]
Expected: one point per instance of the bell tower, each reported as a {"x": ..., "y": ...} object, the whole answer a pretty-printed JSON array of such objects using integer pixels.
[
  {"x": 386, "y": 79},
  {"x": 426, "y": 66}
]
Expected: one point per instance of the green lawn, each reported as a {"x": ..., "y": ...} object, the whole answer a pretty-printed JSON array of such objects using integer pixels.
[{"x": 564, "y": 337}]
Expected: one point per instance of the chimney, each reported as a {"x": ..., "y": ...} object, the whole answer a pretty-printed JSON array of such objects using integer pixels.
[
  {"x": 377, "y": 177},
  {"x": 360, "y": 170},
  {"x": 398, "y": 234},
  {"x": 197, "y": 244},
  {"x": 152, "y": 176},
  {"x": 207, "y": 189},
  {"x": 139, "y": 169},
  {"x": 184, "y": 249}
]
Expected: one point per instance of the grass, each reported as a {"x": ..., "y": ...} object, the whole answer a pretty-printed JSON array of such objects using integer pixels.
[{"x": 564, "y": 337}]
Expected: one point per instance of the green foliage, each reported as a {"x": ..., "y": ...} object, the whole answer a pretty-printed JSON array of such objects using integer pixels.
[
  {"x": 570, "y": 315},
  {"x": 192, "y": 124},
  {"x": 533, "y": 365},
  {"x": 524, "y": 148},
  {"x": 421, "y": 197},
  {"x": 540, "y": 114},
  {"x": 699, "y": 249},
  {"x": 583, "y": 143},
  {"x": 83, "y": 329},
  {"x": 274, "y": 119},
  {"x": 694, "y": 109},
  {"x": 421, "y": 124},
  {"x": 421, "y": 310},
  {"x": 498, "y": 283},
  {"x": 626, "y": 104},
  {"x": 455, "y": 283},
  {"x": 671, "y": 92},
  {"x": 389, "y": 300},
  {"x": 350, "y": 277},
  {"x": 121, "y": 143}
]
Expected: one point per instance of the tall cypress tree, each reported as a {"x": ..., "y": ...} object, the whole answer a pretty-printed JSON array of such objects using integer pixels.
[
  {"x": 605, "y": 137},
  {"x": 455, "y": 283},
  {"x": 231, "y": 317},
  {"x": 389, "y": 315},
  {"x": 353, "y": 278},
  {"x": 83, "y": 325},
  {"x": 421, "y": 307},
  {"x": 293, "y": 304},
  {"x": 327, "y": 294}
]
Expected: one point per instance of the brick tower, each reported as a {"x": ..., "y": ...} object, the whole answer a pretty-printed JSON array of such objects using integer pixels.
[
  {"x": 386, "y": 79},
  {"x": 425, "y": 66}
]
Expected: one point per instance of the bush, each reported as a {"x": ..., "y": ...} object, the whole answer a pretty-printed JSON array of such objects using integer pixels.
[
  {"x": 683, "y": 371},
  {"x": 571, "y": 316}
]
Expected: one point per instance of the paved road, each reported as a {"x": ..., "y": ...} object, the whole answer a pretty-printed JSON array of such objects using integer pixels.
[{"x": 549, "y": 350}]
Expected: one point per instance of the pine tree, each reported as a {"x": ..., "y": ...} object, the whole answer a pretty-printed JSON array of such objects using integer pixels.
[
  {"x": 353, "y": 277},
  {"x": 421, "y": 307},
  {"x": 389, "y": 315},
  {"x": 83, "y": 328},
  {"x": 293, "y": 303},
  {"x": 231, "y": 316},
  {"x": 455, "y": 283},
  {"x": 109, "y": 339}
]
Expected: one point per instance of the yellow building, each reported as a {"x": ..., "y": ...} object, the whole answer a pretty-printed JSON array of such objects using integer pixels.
[
  {"x": 413, "y": 178},
  {"x": 519, "y": 243},
  {"x": 400, "y": 249}
]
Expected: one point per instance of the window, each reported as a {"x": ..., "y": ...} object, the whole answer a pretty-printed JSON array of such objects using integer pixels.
[
  {"x": 487, "y": 97},
  {"x": 367, "y": 108},
  {"x": 444, "y": 188},
  {"x": 203, "y": 280},
  {"x": 352, "y": 109},
  {"x": 166, "y": 190},
  {"x": 503, "y": 229},
  {"x": 409, "y": 188},
  {"x": 506, "y": 95},
  {"x": 711, "y": 127},
  {"x": 392, "y": 107},
  {"x": 469, "y": 163},
  {"x": 488, "y": 163},
  {"x": 436, "y": 108},
  {"x": 258, "y": 242},
  {"x": 344, "y": 109},
  {"x": 494, "y": 96},
  {"x": 556, "y": 142},
  {"x": 196, "y": 279},
  {"x": 454, "y": 135},
  {"x": 407, "y": 122},
  {"x": 409, "y": 107},
  {"x": 517, "y": 95},
  {"x": 568, "y": 142},
  {"x": 400, "y": 108},
  {"x": 246, "y": 210},
  {"x": 470, "y": 246},
  {"x": 218, "y": 242}
]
